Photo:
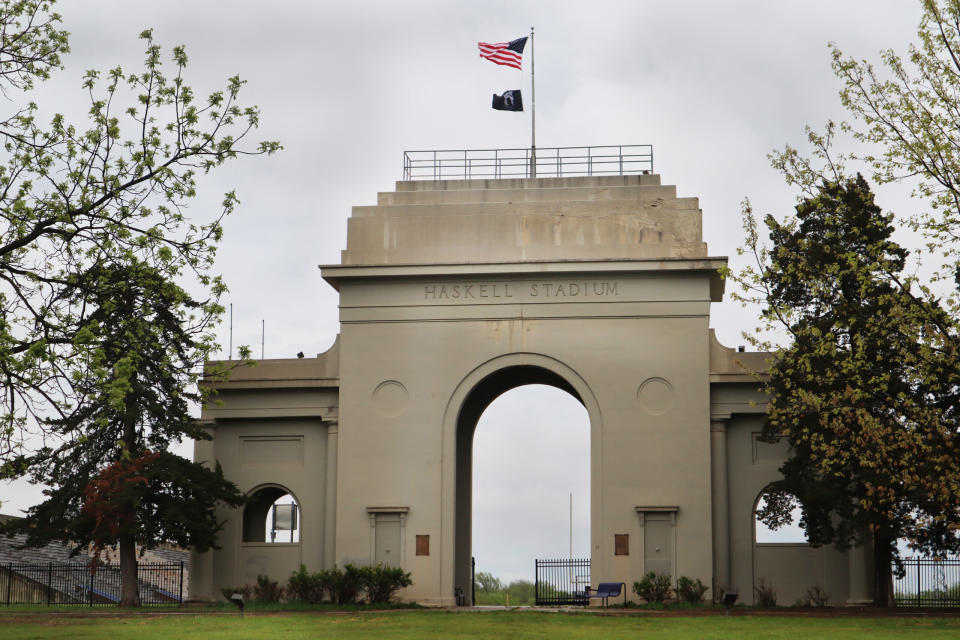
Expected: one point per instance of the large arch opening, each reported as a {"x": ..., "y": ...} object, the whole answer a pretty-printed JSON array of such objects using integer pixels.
[
  {"x": 531, "y": 483},
  {"x": 477, "y": 400}
]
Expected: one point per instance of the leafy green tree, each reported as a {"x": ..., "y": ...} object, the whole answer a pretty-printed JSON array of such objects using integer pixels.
[
  {"x": 100, "y": 345},
  {"x": 113, "y": 481},
  {"x": 73, "y": 197},
  {"x": 487, "y": 582},
  {"x": 908, "y": 114},
  {"x": 868, "y": 389}
]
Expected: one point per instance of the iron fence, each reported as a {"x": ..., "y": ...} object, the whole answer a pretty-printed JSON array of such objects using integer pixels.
[
  {"x": 549, "y": 162},
  {"x": 54, "y": 583},
  {"x": 928, "y": 582},
  {"x": 561, "y": 582}
]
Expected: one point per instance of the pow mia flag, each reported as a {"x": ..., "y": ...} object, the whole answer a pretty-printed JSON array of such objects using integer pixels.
[{"x": 509, "y": 101}]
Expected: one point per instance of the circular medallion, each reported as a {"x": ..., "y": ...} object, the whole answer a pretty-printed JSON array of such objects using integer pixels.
[
  {"x": 390, "y": 398},
  {"x": 655, "y": 396}
]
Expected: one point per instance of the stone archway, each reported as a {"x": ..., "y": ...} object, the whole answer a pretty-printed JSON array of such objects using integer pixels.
[{"x": 474, "y": 394}]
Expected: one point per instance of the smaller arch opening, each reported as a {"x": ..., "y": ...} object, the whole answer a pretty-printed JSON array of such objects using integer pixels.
[
  {"x": 271, "y": 515},
  {"x": 788, "y": 532}
]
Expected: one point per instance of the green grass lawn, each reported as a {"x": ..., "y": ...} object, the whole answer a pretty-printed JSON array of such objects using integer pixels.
[{"x": 501, "y": 625}]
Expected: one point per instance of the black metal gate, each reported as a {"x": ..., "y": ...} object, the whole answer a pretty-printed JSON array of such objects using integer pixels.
[
  {"x": 562, "y": 581},
  {"x": 929, "y": 582}
]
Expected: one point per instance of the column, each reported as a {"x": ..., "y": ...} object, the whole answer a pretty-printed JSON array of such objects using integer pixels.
[
  {"x": 720, "y": 503},
  {"x": 200, "y": 587},
  {"x": 330, "y": 500}
]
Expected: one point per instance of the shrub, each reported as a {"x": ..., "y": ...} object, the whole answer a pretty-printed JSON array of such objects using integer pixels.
[
  {"x": 654, "y": 587},
  {"x": 691, "y": 590},
  {"x": 267, "y": 590},
  {"x": 345, "y": 584},
  {"x": 306, "y": 587},
  {"x": 766, "y": 597},
  {"x": 815, "y": 596},
  {"x": 380, "y": 582}
]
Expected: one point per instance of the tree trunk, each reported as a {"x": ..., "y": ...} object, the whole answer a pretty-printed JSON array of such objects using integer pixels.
[
  {"x": 882, "y": 571},
  {"x": 129, "y": 589}
]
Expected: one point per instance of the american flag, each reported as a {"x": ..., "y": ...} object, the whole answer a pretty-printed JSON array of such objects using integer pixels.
[{"x": 505, "y": 53}]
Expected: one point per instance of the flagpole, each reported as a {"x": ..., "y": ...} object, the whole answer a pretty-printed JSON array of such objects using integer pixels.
[{"x": 533, "y": 112}]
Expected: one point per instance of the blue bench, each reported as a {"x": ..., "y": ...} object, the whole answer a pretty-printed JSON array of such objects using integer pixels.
[{"x": 607, "y": 590}]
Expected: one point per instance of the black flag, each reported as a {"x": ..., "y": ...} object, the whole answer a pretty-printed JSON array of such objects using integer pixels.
[{"x": 509, "y": 101}]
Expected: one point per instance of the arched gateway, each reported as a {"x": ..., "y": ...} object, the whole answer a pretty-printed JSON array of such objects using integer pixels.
[{"x": 453, "y": 292}]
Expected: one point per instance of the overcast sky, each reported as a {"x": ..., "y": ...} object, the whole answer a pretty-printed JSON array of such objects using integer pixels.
[{"x": 348, "y": 86}]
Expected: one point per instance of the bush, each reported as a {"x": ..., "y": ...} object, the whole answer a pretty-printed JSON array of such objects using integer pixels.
[
  {"x": 521, "y": 592},
  {"x": 691, "y": 590},
  {"x": 380, "y": 582},
  {"x": 654, "y": 587},
  {"x": 307, "y": 587},
  {"x": 766, "y": 597},
  {"x": 345, "y": 584},
  {"x": 267, "y": 590},
  {"x": 815, "y": 596}
]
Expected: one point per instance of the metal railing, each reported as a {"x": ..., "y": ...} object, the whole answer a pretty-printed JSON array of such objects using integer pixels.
[
  {"x": 928, "y": 582},
  {"x": 561, "y": 581},
  {"x": 551, "y": 162},
  {"x": 53, "y": 583}
]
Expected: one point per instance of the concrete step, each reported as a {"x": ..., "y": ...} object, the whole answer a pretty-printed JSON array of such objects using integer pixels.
[
  {"x": 530, "y": 183},
  {"x": 585, "y": 193},
  {"x": 589, "y": 208}
]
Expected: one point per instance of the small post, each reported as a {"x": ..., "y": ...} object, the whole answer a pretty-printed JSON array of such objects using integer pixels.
[
  {"x": 729, "y": 598},
  {"x": 180, "y": 592},
  {"x": 536, "y": 581},
  {"x": 237, "y": 599}
]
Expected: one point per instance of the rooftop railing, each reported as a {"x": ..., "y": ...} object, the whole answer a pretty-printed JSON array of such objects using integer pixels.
[{"x": 549, "y": 162}]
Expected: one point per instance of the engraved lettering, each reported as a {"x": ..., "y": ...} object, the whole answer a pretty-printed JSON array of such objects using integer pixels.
[{"x": 580, "y": 289}]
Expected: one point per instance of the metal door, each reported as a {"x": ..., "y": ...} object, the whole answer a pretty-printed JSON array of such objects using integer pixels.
[
  {"x": 388, "y": 540},
  {"x": 658, "y": 544}
]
